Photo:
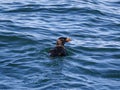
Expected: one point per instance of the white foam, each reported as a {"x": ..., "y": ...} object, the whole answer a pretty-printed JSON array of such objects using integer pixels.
[{"x": 76, "y": 42}]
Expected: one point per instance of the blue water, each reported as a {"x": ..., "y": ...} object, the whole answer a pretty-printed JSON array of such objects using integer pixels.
[{"x": 30, "y": 28}]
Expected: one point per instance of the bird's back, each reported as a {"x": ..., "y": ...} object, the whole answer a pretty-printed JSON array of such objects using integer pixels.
[{"x": 58, "y": 51}]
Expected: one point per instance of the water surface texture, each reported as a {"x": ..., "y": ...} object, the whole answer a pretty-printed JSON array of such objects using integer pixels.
[{"x": 29, "y": 28}]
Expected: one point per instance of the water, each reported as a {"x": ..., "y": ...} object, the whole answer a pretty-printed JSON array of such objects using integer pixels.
[{"x": 29, "y": 29}]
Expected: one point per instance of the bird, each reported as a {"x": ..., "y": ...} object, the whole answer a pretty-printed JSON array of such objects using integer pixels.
[{"x": 59, "y": 49}]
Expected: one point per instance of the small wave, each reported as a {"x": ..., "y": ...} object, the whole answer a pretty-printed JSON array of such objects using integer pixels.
[
  {"x": 77, "y": 42},
  {"x": 95, "y": 49},
  {"x": 55, "y": 10},
  {"x": 22, "y": 10},
  {"x": 114, "y": 2},
  {"x": 97, "y": 44},
  {"x": 111, "y": 74},
  {"x": 8, "y": 21},
  {"x": 16, "y": 37},
  {"x": 5, "y": 86}
]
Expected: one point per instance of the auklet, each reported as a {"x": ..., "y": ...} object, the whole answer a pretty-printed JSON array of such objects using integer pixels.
[{"x": 59, "y": 49}]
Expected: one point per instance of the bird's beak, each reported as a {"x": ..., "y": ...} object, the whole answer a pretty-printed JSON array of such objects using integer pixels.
[{"x": 68, "y": 39}]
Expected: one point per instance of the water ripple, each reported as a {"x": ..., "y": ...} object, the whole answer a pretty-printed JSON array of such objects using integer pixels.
[{"x": 29, "y": 29}]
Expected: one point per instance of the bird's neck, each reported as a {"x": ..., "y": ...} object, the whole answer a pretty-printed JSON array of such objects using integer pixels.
[{"x": 59, "y": 43}]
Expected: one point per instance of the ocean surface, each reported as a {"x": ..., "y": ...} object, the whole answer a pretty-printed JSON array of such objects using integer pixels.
[{"x": 30, "y": 28}]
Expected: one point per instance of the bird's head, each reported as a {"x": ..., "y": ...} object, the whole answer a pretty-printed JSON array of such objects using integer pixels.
[{"x": 62, "y": 40}]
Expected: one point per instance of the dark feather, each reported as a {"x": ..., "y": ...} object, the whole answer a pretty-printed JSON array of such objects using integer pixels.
[{"x": 59, "y": 50}]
